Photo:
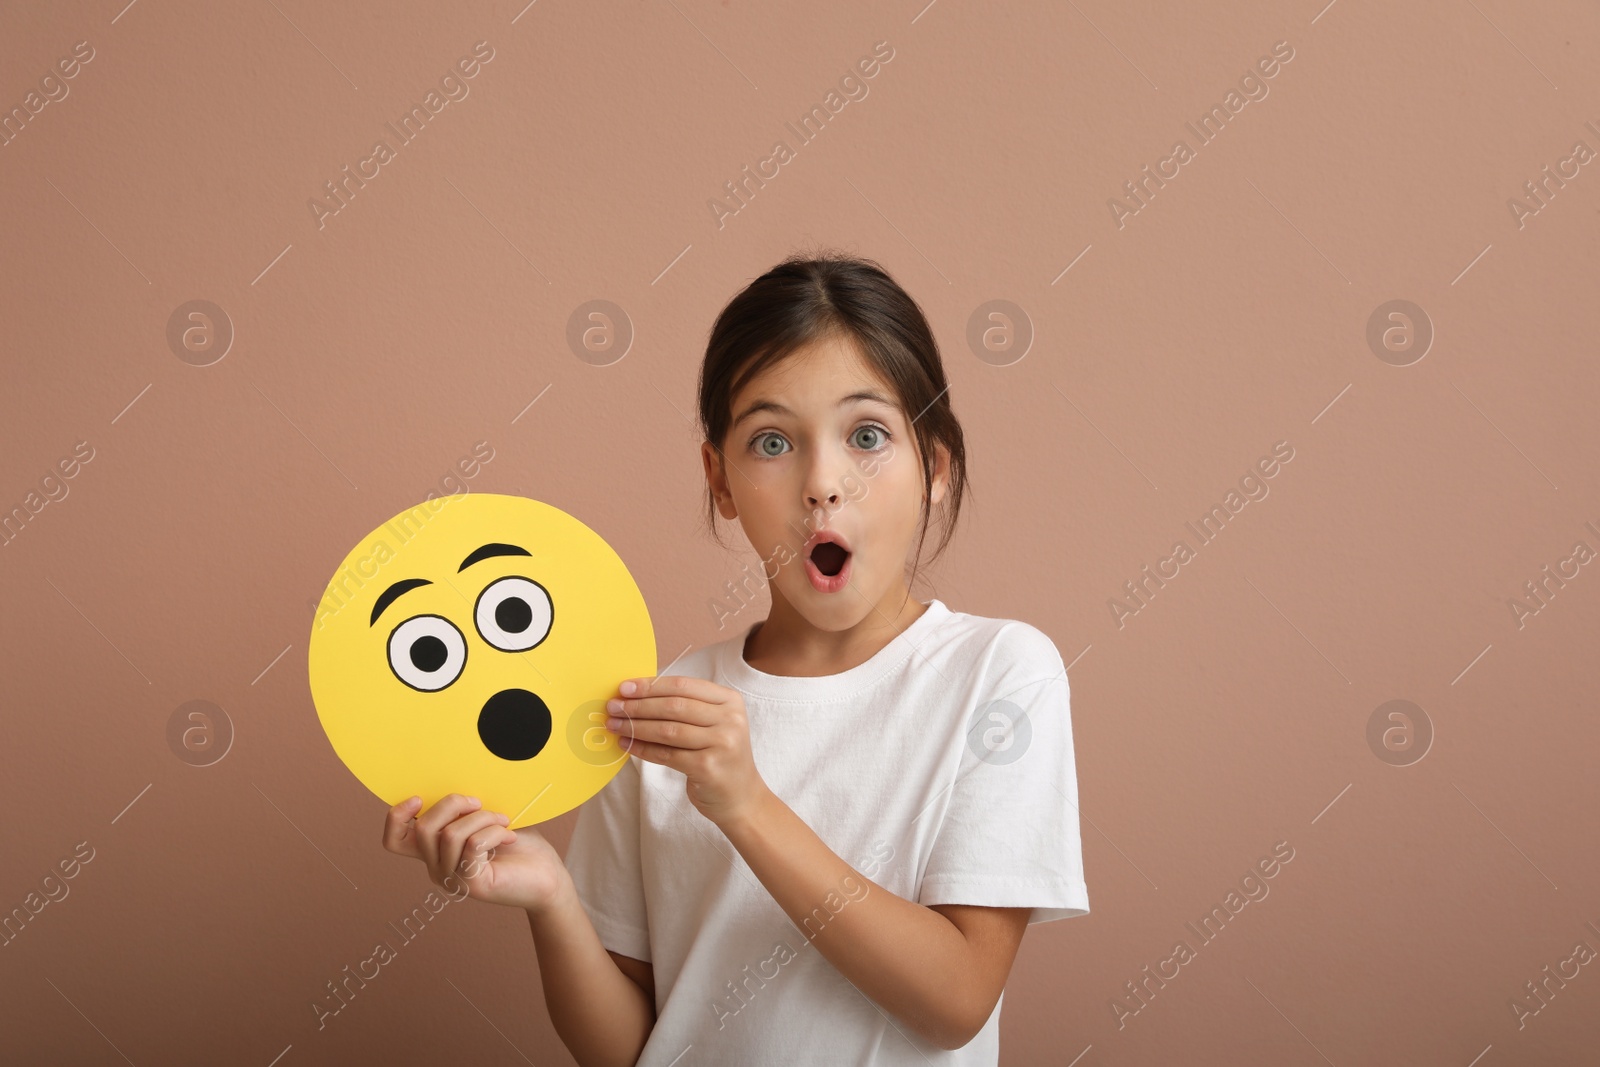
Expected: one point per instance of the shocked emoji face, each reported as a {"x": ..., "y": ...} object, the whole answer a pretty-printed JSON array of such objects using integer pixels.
[{"x": 468, "y": 645}]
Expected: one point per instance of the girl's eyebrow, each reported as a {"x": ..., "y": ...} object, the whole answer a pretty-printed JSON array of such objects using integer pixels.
[{"x": 772, "y": 405}]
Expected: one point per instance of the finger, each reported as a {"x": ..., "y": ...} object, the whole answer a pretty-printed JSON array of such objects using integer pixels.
[
  {"x": 436, "y": 818},
  {"x": 676, "y": 685},
  {"x": 453, "y": 838},
  {"x": 679, "y": 708},
  {"x": 666, "y": 732},
  {"x": 652, "y": 752},
  {"x": 399, "y": 834},
  {"x": 472, "y": 854}
]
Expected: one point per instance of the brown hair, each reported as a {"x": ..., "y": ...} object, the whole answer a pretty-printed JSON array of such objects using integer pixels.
[{"x": 806, "y": 299}]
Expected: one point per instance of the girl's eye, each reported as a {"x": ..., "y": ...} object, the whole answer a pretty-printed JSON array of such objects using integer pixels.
[
  {"x": 875, "y": 437},
  {"x": 764, "y": 444},
  {"x": 770, "y": 444}
]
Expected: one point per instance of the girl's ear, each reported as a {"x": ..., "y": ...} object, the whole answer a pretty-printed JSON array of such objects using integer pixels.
[
  {"x": 717, "y": 479},
  {"x": 941, "y": 473}
]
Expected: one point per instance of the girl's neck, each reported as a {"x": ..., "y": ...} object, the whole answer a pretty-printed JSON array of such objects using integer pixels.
[{"x": 787, "y": 644}]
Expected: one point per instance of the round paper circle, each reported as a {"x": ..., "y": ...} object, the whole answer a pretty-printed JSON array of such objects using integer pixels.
[{"x": 468, "y": 645}]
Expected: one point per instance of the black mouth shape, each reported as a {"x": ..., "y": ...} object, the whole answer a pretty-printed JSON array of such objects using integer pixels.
[
  {"x": 829, "y": 557},
  {"x": 514, "y": 724}
]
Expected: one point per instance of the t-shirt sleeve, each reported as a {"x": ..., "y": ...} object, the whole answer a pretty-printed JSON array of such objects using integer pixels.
[
  {"x": 604, "y": 861},
  {"x": 1010, "y": 835}
]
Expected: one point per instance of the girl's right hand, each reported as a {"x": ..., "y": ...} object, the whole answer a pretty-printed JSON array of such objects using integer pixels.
[{"x": 463, "y": 845}]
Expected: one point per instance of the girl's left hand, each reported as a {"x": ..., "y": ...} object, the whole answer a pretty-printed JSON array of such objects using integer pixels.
[{"x": 697, "y": 727}]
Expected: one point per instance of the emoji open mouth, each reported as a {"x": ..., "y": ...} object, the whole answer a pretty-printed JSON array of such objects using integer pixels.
[
  {"x": 829, "y": 558},
  {"x": 514, "y": 724}
]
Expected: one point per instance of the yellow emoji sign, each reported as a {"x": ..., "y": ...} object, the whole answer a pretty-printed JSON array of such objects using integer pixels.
[{"x": 468, "y": 645}]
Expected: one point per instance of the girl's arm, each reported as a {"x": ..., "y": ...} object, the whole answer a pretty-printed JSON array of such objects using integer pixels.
[
  {"x": 602, "y": 1008},
  {"x": 941, "y": 972},
  {"x": 603, "y": 1015},
  {"x": 939, "y": 969}
]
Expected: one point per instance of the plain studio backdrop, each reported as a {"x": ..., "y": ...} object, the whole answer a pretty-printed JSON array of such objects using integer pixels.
[{"x": 1303, "y": 288}]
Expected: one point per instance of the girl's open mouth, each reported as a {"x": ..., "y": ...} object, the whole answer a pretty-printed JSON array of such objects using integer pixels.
[{"x": 828, "y": 566}]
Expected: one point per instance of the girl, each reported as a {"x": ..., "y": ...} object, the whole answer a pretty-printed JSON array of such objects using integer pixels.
[{"x": 840, "y": 819}]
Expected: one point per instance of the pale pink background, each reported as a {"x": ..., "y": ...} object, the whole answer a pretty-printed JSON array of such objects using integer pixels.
[{"x": 1228, "y": 315}]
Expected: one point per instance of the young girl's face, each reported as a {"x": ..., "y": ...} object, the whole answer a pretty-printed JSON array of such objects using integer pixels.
[{"x": 819, "y": 443}]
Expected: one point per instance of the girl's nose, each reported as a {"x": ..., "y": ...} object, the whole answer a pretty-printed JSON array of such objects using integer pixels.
[{"x": 825, "y": 472}]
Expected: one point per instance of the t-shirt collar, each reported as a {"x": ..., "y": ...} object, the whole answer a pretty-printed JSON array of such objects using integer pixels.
[{"x": 775, "y": 687}]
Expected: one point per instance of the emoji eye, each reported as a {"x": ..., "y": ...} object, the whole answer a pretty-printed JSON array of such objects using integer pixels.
[
  {"x": 514, "y": 614},
  {"x": 427, "y": 652}
]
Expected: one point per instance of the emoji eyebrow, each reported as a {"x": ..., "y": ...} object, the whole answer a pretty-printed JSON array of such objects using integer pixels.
[
  {"x": 389, "y": 595},
  {"x": 491, "y": 550}
]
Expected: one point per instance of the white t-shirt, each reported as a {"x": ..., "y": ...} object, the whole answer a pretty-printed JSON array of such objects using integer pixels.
[{"x": 941, "y": 769}]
